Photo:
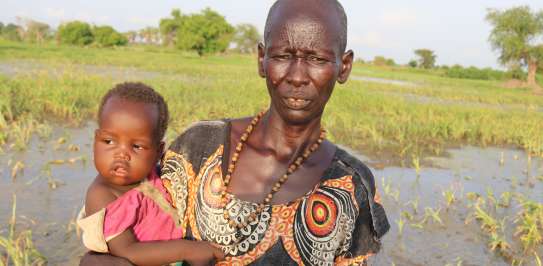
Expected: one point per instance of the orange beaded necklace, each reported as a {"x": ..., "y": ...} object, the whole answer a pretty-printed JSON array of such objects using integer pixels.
[{"x": 292, "y": 167}]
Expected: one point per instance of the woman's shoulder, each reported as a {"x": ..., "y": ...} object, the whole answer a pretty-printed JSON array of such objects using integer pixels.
[
  {"x": 364, "y": 181},
  {"x": 346, "y": 163},
  {"x": 198, "y": 132}
]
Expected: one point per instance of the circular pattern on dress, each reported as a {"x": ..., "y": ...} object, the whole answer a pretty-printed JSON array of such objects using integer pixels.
[
  {"x": 321, "y": 214},
  {"x": 212, "y": 190}
]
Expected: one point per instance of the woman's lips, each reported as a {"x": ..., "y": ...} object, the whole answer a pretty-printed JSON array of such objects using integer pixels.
[{"x": 296, "y": 103}]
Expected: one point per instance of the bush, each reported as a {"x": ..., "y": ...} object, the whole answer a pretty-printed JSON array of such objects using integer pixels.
[
  {"x": 106, "y": 36},
  {"x": 75, "y": 33},
  {"x": 472, "y": 72},
  {"x": 11, "y": 32}
]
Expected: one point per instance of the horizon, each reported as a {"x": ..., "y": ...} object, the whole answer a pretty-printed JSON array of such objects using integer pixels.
[{"x": 393, "y": 29}]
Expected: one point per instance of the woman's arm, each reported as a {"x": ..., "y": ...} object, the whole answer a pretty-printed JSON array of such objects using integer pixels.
[{"x": 163, "y": 252}]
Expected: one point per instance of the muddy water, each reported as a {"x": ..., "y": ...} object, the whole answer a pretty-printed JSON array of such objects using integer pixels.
[
  {"x": 50, "y": 212},
  {"x": 21, "y": 67}
]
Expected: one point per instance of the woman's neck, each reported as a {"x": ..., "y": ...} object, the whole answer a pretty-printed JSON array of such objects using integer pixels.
[{"x": 283, "y": 139}]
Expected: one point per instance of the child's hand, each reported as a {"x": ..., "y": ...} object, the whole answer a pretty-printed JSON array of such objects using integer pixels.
[{"x": 205, "y": 254}]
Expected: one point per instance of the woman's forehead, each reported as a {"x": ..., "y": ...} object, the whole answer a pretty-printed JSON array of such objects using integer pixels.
[{"x": 304, "y": 32}]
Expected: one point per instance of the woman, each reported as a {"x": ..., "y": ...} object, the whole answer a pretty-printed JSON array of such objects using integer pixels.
[{"x": 270, "y": 189}]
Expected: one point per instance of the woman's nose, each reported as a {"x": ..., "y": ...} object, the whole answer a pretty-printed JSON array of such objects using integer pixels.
[{"x": 297, "y": 73}]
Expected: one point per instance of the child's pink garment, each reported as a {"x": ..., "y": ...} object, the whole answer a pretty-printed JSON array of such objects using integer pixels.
[{"x": 146, "y": 209}]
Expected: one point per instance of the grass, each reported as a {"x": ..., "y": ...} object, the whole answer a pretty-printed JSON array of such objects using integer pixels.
[
  {"x": 359, "y": 114},
  {"x": 18, "y": 248}
]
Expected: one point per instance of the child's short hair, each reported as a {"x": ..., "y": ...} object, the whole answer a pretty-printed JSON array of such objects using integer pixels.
[{"x": 139, "y": 92}]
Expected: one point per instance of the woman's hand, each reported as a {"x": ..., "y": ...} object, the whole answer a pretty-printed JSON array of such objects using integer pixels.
[{"x": 204, "y": 254}]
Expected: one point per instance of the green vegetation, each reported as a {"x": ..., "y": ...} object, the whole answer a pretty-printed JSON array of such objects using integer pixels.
[
  {"x": 246, "y": 38},
  {"x": 75, "y": 33},
  {"x": 426, "y": 58},
  {"x": 18, "y": 248},
  {"x": 359, "y": 115},
  {"x": 106, "y": 36},
  {"x": 472, "y": 72},
  {"x": 514, "y": 35},
  {"x": 206, "y": 32}
]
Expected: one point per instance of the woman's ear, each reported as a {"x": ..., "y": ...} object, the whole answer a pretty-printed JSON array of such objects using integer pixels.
[
  {"x": 346, "y": 66},
  {"x": 261, "y": 55}
]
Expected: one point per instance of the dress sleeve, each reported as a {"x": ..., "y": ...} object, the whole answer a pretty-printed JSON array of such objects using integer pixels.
[
  {"x": 371, "y": 222},
  {"x": 122, "y": 214}
]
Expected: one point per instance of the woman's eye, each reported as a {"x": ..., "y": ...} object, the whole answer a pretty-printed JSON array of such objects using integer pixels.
[
  {"x": 316, "y": 59},
  {"x": 283, "y": 57}
]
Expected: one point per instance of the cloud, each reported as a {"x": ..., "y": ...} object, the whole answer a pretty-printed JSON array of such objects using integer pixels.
[
  {"x": 370, "y": 39},
  {"x": 141, "y": 21},
  {"x": 56, "y": 13},
  {"x": 83, "y": 16},
  {"x": 398, "y": 18}
]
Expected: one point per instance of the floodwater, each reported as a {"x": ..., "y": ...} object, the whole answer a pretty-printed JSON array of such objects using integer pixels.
[
  {"x": 50, "y": 212},
  {"x": 384, "y": 81},
  {"x": 21, "y": 67}
]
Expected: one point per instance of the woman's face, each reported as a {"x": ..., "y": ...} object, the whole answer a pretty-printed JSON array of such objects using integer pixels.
[
  {"x": 125, "y": 150},
  {"x": 301, "y": 62}
]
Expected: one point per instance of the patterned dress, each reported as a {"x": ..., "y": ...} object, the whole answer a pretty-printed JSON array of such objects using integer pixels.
[{"x": 339, "y": 222}]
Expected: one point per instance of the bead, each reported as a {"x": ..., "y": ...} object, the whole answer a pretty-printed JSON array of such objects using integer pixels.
[{"x": 275, "y": 188}]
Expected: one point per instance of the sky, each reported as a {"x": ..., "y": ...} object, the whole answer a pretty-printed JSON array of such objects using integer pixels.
[{"x": 455, "y": 30}]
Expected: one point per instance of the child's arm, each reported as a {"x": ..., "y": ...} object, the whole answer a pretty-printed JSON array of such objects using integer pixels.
[
  {"x": 99, "y": 196},
  {"x": 163, "y": 252}
]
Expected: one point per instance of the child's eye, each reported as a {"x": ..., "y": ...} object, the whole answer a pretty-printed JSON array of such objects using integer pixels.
[
  {"x": 137, "y": 147},
  {"x": 108, "y": 141}
]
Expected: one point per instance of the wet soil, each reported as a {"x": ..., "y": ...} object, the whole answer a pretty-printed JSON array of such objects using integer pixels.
[{"x": 50, "y": 213}]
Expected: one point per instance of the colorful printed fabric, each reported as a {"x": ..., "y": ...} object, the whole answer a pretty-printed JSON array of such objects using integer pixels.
[{"x": 337, "y": 222}]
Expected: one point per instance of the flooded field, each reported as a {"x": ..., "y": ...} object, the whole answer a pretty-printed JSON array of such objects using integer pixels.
[
  {"x": 51, "y": 186},
  {"x": 449, "y": 201}
]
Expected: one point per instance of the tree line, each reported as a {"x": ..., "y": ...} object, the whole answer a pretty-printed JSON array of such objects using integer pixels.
[{"x": 205, "y": 32}]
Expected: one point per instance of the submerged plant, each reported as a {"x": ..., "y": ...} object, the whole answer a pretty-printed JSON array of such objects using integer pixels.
[
  {"x": 530, "y": 225},
  {"x": 18, "y": 249}
]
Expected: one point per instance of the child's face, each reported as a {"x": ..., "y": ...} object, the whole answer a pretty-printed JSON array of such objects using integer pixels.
[{"x": 124, "y": 148}]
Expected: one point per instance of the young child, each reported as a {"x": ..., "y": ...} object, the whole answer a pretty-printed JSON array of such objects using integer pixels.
[{"x": 128, "y": 211}]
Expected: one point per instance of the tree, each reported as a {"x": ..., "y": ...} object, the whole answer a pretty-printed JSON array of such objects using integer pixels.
[
  {"x": 412, "y": 63},
  {"x": 206, "y": 32},
  {"x": 168, "y": 27},
  {"x": 427, "y": 58},
  {"x": 11, "y": 32},
  {"x": 75, "y": 33},
  {"x": 106, "y": 36},
  {"x": 246, "y": 38},
  {"x": 379, "y": 60},
  {"x": 33, "y": 31},
  {"x": 514, "y": 35},
  {"x": 150, "y": 35},
  {"x": 1, "y": 27},
  {"x": 131, "y": 36}
]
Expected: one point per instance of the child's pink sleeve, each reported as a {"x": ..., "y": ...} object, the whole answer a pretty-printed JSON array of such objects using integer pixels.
[{"x": 122, "y": 214}]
